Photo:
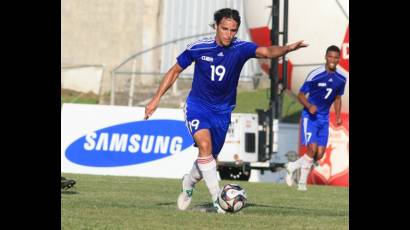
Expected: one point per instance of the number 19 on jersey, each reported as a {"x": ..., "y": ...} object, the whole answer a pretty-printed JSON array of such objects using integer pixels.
[{"x": 219, "y": 71}]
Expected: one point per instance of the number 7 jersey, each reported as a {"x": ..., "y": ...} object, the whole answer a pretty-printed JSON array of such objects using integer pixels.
[
  {"x": 217, "y": 71},
  {"x": 323, "y": 87}
]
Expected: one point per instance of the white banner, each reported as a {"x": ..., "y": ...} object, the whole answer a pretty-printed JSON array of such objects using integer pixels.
[{"x": 115, "y": 140}]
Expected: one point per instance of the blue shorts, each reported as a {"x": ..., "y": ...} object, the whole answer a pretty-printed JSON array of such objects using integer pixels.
[
  {"x": 198, "y": 117},
  {"x": 315, "y": 129}
]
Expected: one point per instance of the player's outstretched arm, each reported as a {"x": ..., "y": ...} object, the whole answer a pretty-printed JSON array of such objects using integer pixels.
[
  {"x": 277, "y": 51},
  {"x": 169, "y": 79}
]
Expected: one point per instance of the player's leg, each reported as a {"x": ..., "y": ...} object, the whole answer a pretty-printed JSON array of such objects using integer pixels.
[
  {"x": 306, "y": 165},
  {"x": 206, "y": 161},
  {"x": 315, "y": 151},
  {"x": 207, "y": 164},
  {"x": 308, "y": 136},
  {"x": 320, "y": 153},
  {"x": 310, "y": 130},
  {"x": 188, "y": 185},
  {"x": 194, "y": 122},
  {"x": 194, "y": 176},
  {"x": 219, "y": 130},
  {"x": 322, "y": 139}
]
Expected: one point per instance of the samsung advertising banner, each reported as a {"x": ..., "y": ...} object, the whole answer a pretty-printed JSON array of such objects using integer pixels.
[{"x": 115, "y": 140}]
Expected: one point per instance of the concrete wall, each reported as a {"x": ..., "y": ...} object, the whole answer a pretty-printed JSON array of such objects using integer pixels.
[
  {"x": 83, "y": 79},
  {"x": 106, "y": 32}
]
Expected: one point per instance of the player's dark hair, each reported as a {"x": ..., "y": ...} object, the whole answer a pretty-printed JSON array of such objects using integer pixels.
[
  {"x": 333, "y": 48},
  {"x": 227, "y": 13}
]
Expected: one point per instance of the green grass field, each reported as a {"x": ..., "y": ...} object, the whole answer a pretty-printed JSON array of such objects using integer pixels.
[
  {"x": 248, "y": 101},
  {"x": 113, "y": 202},
  {"x": 71, "y": 96}
]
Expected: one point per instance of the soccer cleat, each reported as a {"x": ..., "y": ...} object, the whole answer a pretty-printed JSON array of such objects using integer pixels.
[
  {"x": 185, "y": 197},
  {"x": 66, "y": 184},
  {"x": 302, "y": 187},
  {"x": 218, "y": 208},
  {"x": 289, "y": 175}
]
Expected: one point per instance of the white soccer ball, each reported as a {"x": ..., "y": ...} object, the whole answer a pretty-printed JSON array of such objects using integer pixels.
[{"x": 232, "y": 198}]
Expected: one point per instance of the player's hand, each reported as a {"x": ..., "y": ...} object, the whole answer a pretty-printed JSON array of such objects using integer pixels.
[
  {"x": 297, "y": 45},
  {"x": 312, "y": 109},
  {"x": 339, "y": 121},
  {"x": 150, "y": 108}
]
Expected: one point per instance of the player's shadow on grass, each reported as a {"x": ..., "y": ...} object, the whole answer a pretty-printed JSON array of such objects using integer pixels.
[
  {"x": 167, "y": 204},
  {"x": 211, "y": 206},
  {"x": 68, "y": 192},
  {"x": 286, "y": 210},
  {"x": 258, "y": 205},
  {"x": 204, "y": 207}
]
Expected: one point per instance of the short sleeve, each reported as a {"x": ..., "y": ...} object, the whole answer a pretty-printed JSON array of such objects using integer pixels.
[
  {"x": 306, "y": 87},
  {"x": 185, "y": 59},
  {"x": 249, "y": 50}
]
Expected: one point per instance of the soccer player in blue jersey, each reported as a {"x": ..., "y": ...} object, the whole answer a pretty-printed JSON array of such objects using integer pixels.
[
  {"x": 325, "y": 86},
  {"x": 218, "y": 63}
]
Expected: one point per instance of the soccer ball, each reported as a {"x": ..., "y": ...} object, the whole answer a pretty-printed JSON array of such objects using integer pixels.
[{"x": 232, "y": 198}]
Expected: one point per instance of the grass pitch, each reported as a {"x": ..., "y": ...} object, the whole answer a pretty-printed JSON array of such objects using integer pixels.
[{"x": 114, "y": 202}]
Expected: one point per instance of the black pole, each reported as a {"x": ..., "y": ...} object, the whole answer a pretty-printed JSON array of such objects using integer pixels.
[
  {"x": 284, "y": 80},
  {"x": 274, "y": 105},
  {"x": 285, "y": 41}
]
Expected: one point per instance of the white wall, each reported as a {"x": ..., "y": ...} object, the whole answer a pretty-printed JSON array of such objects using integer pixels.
[{"x": 82, "y": 79}]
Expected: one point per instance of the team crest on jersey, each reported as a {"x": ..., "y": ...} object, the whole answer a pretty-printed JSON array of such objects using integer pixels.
[
  {"x": 322, "y": 84},
  {"x": 206, "y": 58}
]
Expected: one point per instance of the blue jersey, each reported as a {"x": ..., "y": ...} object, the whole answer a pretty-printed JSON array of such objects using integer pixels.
[
  {"x": 216, "y": 73},
  {"x": 323, "y": 87}
]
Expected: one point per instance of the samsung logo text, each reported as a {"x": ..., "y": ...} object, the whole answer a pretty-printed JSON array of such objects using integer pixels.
[
  {"x": 146, "y": 144},
  {"x": 130, "y": 143}
]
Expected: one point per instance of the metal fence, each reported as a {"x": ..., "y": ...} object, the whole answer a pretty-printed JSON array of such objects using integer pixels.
[
  {"x": 136, "y": 79},
  {"x": 133, "y": 87}
]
